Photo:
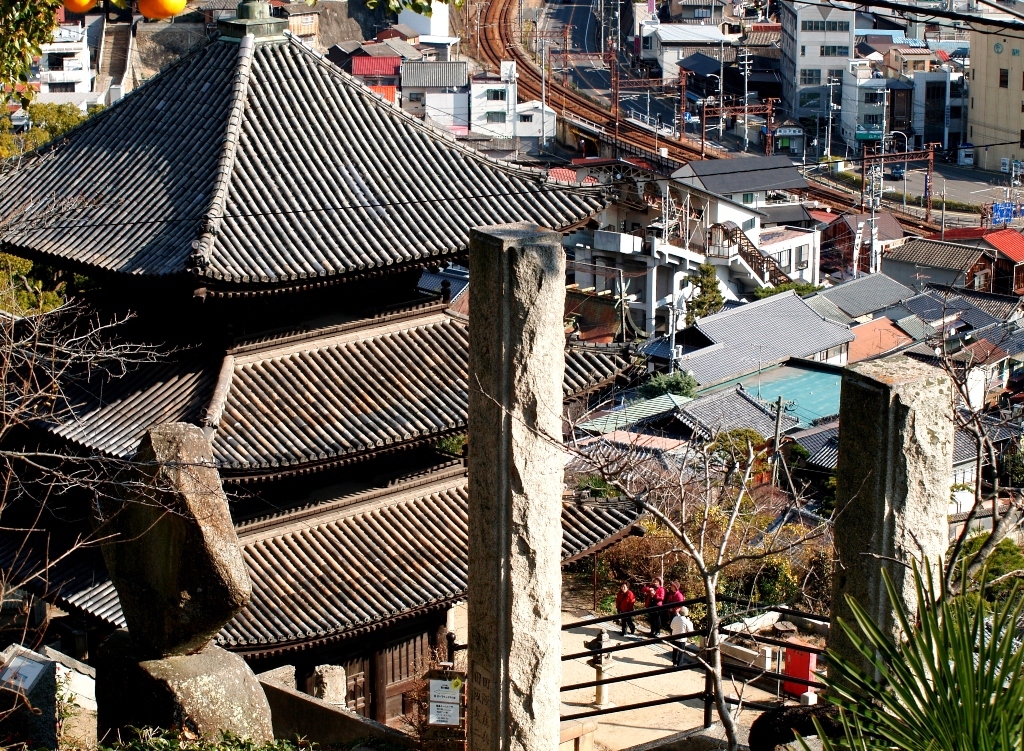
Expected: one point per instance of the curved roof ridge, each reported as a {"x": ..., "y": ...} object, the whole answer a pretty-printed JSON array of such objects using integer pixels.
[{"x": 210, "y": 222}]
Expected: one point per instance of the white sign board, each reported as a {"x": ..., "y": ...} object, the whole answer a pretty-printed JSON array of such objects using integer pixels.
[
  {"x": 442, "y": 713},
  {"x": 444, "y": 691},
  {"x": 20, "y": 673}
]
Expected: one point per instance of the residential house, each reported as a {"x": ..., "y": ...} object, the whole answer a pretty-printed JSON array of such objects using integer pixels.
[
  {"x": 907, "y": 60},
  {"x": 796, "y": 251},
  {"x": 666, "y": 44},
  {"x": 839, "y": 247},
  {"x": 310, "y": 308},
  {"x": 215, "y": 10},
  {"x": 787, "y": 215},
  {"x": 757, "y": 181},
  {"x": 756, "y": 336},
  {"x": 1005, "y": 308},
  {"x": 859, "y": 299},
  {"x": 1007, "y": 245},
  {"x": 636, "y": 415},
  {"x": 918, "y": 262},
  {"x": 817, "y": 41},
  {"x": 382, "y": 74},
  {"x": 303, "y": 20},
  {"x": 401, "y": 31},
  {"x": 938, "y": 107},
  {"x": 437, "y": 90},
  {"x": 697, "y": 11},
  {"x": 730, "y": 408},
  {"x": 876, "y": 338},
  {"x": 434, "y": 30},
  {"x": 65, "y": 64}
]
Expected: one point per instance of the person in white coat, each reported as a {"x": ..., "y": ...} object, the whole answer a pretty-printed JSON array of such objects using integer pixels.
[{"x": 681, "y": 624}]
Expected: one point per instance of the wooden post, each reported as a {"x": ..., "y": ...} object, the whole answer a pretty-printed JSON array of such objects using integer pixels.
[{"x": 379, "y": 675}]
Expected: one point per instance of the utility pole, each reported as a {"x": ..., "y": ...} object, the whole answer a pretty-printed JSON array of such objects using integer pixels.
[
  {"x": 828, "y": 123},
  {"x": 745, "y": 67},
  {"x": 775, "y": 446},
  {"x": 543, "y": 92},
  {"x": 721, "y": 88},
  {"x": 942, "y": 222}
]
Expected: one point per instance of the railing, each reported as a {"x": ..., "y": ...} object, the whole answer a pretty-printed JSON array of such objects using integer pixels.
[
  {"x": 766, "y": 267},
  {"x": 707, "y": 696}
]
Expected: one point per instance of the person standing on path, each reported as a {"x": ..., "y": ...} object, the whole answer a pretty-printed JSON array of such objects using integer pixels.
[
  {"x": 681, "y": 624},
  {"x": 625, "y": 602},
  {"x": 675, "y": 594},
  {"x": 654, "y": 595}
]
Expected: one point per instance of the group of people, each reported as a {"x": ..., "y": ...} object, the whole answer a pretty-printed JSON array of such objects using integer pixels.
[{"x": 654, "y": 594}]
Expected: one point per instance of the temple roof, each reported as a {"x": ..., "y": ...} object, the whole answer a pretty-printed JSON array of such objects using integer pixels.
[
  {"x": 324, "y": 397},
  {"x": 260, "y": 163},
  {"x": 351, "y": 563}
]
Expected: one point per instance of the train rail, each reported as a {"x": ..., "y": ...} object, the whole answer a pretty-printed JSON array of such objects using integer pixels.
[{"x": 498, "y": 42}]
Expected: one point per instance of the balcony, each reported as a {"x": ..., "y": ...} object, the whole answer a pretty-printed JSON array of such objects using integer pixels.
[
  {"x": 617, "y": 242},
  {"x": 64, "y": 76}
]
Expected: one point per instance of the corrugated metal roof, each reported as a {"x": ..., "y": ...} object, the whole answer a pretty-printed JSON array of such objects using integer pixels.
[
  {"x": 867, "y": 294},
  {"x": 359, "y": 184},
  {"x": 636, "y": 413},
  {"x": 435, "y": 75},
  {"x": 365, "y": 65},
  {"x": 746, "y": 175},
  {"x": 760, "y": 334},
  {"x": 389, "y": 93},
  {"x": 680, "y": 33},
  {"x": 376, "y": 556},
  {"x": 311, "y": 398},
  {"x": 729, "y": 409}
]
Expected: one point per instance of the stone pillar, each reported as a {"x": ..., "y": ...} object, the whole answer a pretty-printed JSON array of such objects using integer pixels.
[
  {"x": 894, "y": 474},
  {"x": 516, "y": 364}
]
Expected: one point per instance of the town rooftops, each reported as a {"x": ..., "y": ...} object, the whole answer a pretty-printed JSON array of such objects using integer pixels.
[
  {"x": 1003, "y": 307},
  {"x": 729, "y": 409},
  {"x": 751, "y": 174},
  {"x": 867, "y": 294},
  {"x": 1009, "y": 242},
  {"x": 636, "y": 413},
  {"x": 681, "y": 33},
  {"x": 701, "y": 64},
  {"x": 786, "y": 213},
  {"x": 258, "y": 163},
  {"x": 889, "y": 228},
  {"x": 366, "y": 65},
  {"x": 876, "y": 337},
  {"x": 435, "y": 75},
  {"x": 756, "y": 335},
  {"x": 936, "y": 254}
]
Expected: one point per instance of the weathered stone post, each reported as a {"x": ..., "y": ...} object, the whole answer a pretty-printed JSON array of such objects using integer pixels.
[
  {"x": 516, "y": 364},
  {"x": 892, "y": 496}
]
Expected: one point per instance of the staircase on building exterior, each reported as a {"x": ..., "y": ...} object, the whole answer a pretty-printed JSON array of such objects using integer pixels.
[
  {"x": 727, "y": 241},
  {"x": 110, "y": 77}
]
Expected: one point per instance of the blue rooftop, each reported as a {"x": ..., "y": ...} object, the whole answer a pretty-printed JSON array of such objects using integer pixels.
[{"x": 808, "y": 394}]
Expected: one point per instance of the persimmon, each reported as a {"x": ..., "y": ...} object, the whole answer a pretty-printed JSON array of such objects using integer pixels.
[
  {"x": 161, "y": 8},
  {"x": 79, "y": 6}
]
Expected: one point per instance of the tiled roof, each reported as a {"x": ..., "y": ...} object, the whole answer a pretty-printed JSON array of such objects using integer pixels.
[
  {"x": 350, "y": 562},
  {"x": 728, "y": 409},
  {"x": 821, "y": 443},
  {"x": 827, "y": 309},
  {"x": 760, "y": 334},
  {"x": 386, "y": 92},
  {"x": 875, "y": 337},
  {"x": 1009, "y": 242},
  {"x": 941, "y": 255},
  {"x": 365, "y": 65},
  {"x": 889, "y": 228},
  {"x": 435, "y": 75},
  {"x": 261, "y": 163},
  {"x": 998, "y": 306},
  {"x": 635, "y": 414},
  {"x": 933, "y": 306},
  {"x": 867, "y": 294},
  {"x": 310, "y": 399}
]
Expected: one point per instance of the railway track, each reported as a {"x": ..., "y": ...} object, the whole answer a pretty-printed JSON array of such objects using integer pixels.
[{"x": 498, "y": 42}]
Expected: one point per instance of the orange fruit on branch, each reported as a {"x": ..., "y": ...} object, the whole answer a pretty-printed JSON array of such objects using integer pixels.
[
  {"x": 161, "y": 8},
  {"x": 79, "y": 6}
]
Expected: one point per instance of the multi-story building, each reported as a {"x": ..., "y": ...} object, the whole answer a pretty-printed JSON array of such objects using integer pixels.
[
  {"x": 865, "y": 104},
  {"x": 496, "y": 112},
  {"x": 817, "y": 42},
  {"x": 938, "y": 107},
  {"x": 667, "y": 43},
  {"x": 64, "y": 63},
  {"x": 996, "y": 110}
]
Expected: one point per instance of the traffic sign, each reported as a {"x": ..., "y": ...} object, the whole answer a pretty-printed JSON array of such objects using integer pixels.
[{"x": 1002, "y": 212}]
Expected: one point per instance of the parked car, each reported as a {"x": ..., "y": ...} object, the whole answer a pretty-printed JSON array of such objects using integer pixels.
[{"x": 897, "y": 173}]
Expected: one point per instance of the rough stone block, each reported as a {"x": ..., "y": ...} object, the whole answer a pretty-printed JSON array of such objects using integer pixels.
[
  {"x": 893, "y": 480},
  {"x": 206, "y": 692},
  {"x": 330, "y": 683},
  {"x": 174, "y": 556}
]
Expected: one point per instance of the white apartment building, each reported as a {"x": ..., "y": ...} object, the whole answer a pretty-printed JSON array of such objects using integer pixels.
[
  {"x": 496, "y": 112},
  {"x": 668, "y": 43},
  {"x": 864, "y": 104},
  {"x": 796, "y": 250},
  {"x": 64, "y": 64},
  {"x": 817, "y": 42}
]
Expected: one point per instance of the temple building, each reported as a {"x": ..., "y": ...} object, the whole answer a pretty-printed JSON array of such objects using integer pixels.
[{"x": 265, "y": 218}]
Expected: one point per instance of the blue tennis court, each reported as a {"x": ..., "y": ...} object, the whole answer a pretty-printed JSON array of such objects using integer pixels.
[{"x": 808, "y": 394}]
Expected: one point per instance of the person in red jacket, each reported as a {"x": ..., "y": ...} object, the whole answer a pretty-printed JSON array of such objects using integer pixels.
[
  {"x": 675, "y": 594},
  {"x": 654, "y": 595},
  {"x": 625, "y": 602}
]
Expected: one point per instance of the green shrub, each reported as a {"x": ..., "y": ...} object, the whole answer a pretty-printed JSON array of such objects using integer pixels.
[
  {"x": 452, "y": 444},
  {"x": 678, "y": 383},
  {"x": 801, "y": 288}
]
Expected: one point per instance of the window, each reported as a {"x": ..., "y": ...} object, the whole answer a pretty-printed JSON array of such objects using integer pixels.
[
  {"x": 972, "y": 103},
  {"x": 803, "y": 50},
  {"x": 919, "y": 65},
  {"x": 495, "y": 95},
  {"x": 836, "y": 75},
  {"x": 810, "y": 77},
  {"x": 495, "y": 117},
  {"x": 810, "y": 99},
  {"x": 526, "y": 118},
  {"x": 648, "y": 41},
  {"x": 872, "y": 119},
  {"x": 956, "y": 89},
  {"x": 824, "y": 26},
  {"x": 801, "y": 257},
  {"x": 832, "y": 50},
  {"x": 748, "y": 198},
  {"x": 748, "y": 225},
  {"x": 812, "y": 26},
  {"x": 1004, "y": 78},
  {"x": 837, "y": 26},
  {"x": 64, "y": 87},
  {"x": 416, "y": 97},
  {"x": 308, "y": 20},
  {"x": 784, "y": 261},
  {"x": 957, "y": 113},
  {"x": 874, "y": 97}
]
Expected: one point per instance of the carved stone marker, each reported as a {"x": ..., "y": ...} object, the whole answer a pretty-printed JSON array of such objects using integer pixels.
[
  {"x": 174, "y": 559},
  {"x": 892, "y": 495},
  {"x": 516, "y": 364}
]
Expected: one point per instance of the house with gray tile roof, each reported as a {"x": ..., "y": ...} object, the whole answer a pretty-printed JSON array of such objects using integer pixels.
[
  {"x": 918, "y": 262},
  {"x": 861, "y": 297},
  {"x": 730, "y": 409},
  {"x": 737, "y": 342}
]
